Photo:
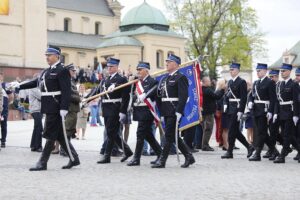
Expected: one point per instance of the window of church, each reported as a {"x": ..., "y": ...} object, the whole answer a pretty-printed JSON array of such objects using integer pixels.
[
  {"x": 67, "y": 24},
  {"x": 159, "y": 59}
]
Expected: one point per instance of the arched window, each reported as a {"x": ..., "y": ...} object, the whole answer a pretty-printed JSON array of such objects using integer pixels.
[
  {"x": 67, "y": 24},
  {"x": 95, "y": 63},
  {"x": 159, "y": 59},
  {"x": 98, "y": 28}
]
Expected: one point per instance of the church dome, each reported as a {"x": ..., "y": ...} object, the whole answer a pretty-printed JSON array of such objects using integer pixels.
[{"x": 142, "y": 15}]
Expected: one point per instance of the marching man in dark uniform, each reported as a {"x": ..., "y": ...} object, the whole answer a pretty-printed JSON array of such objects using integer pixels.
[
  {"x": 114, "y": 109},
  {"x": 273, "y": 127},
  {"x": 297, "y": 109},
  {"x": 234, "y": 105},
  {"x": 146, "y": 89},
  {"x": 173, "y": 95},
  {"x": 55, "y": 85},
  {"x": 285, "y": 112},
  {"x": 262, "y": 101}
]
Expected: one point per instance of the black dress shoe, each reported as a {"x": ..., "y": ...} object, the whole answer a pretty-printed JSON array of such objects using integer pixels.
[
  {"x": 235, "y": 148},
  {"x": 189, "y": 160},
  {"x": 224, "y": 149},
  {"x": 198, "y": 147},
  {"x": 255, "y": 157},
  {"x": 279, "y": 159},
  {"x": 3, "y": 145},
  {"x": 104, "y": 160},
  {"x": 134, "y": 162},
  {"x": 227, "y": 155},
  {"x": 194, "y": 150},
  {"x": 159, "y": 164},
  {"x": 72, "y": 164},
  {"x": 39, "y": 150},
  {"x": 207, "y": 148},
  {"x": 39, "y": 167},
  {"x": 297, "y": 157},
  {"x": 154, "y": 161},
  {"x": 251, "y": 149},
  {"x": 274, "y": 155},
  {"x": 126, "y": 156},
  {"x": 268, "y": 154}
]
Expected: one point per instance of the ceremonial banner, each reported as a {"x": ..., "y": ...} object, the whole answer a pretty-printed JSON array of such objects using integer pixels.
[
  {"x": 192, "y": 110},
  {"x": 4, "y": 7}
]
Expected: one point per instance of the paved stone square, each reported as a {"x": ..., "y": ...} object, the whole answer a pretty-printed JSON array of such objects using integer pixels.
[{"x": 209, "y": 178}]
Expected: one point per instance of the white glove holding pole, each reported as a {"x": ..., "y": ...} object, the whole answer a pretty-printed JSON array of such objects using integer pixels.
[
  {"x": 122, "y": 118},
  {"x": 162, "y": 119},
  {"x": 239, "y": 116},
  {"x": 142, "y": 97},
  {"x": 269, "y": 116},
  {"x": 250, "y": 105},
  {"x": 295, "y": 120},
  {"x": 275, "y": 118},
  {"x": 178, "y": 116},
  {"x": 63, "y": 113},
  {"x": 13, "y": 85},
  {"x": 111, "y": 88}
]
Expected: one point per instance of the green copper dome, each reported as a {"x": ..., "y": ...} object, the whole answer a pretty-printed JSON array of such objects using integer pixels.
[{"x": 144, "y": 14}]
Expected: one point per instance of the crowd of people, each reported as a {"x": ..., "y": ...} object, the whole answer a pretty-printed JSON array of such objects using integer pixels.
[{"x": 267, "y": 108}]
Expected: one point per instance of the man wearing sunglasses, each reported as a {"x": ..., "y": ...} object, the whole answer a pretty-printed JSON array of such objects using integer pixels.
[
  {"x": 262, "y": 101},
  {"x": 285, "y": 112}
]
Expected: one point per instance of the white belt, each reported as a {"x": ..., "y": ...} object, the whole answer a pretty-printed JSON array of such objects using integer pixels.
[
  {"x": 51, "y": 93},
  {"x": 111, "y": 100},
  {"x": 263, "y": 102},
  {"x": 234, "y": 100},
  {"x": 140, "y": 104},
  {"x": 169, "y": 99},
  {"x": 282, "y": 103}
]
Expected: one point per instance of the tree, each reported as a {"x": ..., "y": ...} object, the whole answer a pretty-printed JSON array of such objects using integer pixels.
[{"x": 224, "y": 30}]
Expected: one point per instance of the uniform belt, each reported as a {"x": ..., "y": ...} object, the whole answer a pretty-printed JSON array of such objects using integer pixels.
[
  {"x": 261, "y": 101},
  {"x": 169, "y": 99},
  {"x": 51, "y": 93},
  {"x": 282, "y": 103},
  {"x": 234, "y": 100},
  {"x": 140, "y": 104},
  {"x": 111, "y": 100}
]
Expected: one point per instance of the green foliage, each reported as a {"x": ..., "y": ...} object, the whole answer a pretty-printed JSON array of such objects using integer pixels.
[{"x": 224, "y": 30}]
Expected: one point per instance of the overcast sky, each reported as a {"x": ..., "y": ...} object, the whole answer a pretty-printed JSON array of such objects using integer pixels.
[{"x": 279, "y": 19}]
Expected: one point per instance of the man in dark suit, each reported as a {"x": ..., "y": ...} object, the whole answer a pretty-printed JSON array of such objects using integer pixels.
[
  {"x": 210, "y": 98},
  {"x": 172, "y": 97},
  {"x": 145, "y": 89},
  {"x": 234, "y": 105},
  {"x": 261, "y": 102},
  {"x": 114, "y": 109},
  {"x": 55, "y": 85},
  {"x": 285, "y": 112}
]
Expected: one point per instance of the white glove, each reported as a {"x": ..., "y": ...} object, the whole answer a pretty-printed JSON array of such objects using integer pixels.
[
  {"x": 162, "y": 119},
  {"x": 239, "y": 116},
  {"x": 224, "y": 108},
  {"x": 111, "y": 88},
  {"x": 295, "y": 120},
  {"x": 178, "y": 116},
  {"x": 63, "y": 113},
  {"x": 250, "y": 105},
  {"x": 275, "y": 118},
  {"x": 122, "y": 117},
  {"x": 269, "y": 116},
  {"x": 142, "y": 97},
  {"x": 14, "y": 85}
]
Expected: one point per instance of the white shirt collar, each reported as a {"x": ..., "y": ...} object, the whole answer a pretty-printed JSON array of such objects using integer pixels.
[
  {"x": 233, "y": 79},
  {"x": 171, "y": 74},
  {"x": 145, "y": 77},
  {"x": 287, "y": 80},
  {"x": 54, "y": 65},
  {"x": 111, "y": 76},
  {"x": 263, "y": 78}
]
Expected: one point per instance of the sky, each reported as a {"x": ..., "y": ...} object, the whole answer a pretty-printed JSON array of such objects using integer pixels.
[{"x": 278, "y": 19}]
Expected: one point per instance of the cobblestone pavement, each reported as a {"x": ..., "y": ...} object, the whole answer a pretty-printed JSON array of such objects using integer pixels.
[{"x": 209, "y": 178}]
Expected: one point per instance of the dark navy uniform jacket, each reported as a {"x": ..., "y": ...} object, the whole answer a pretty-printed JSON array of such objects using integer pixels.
[{"x": 56, "y": 79}]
